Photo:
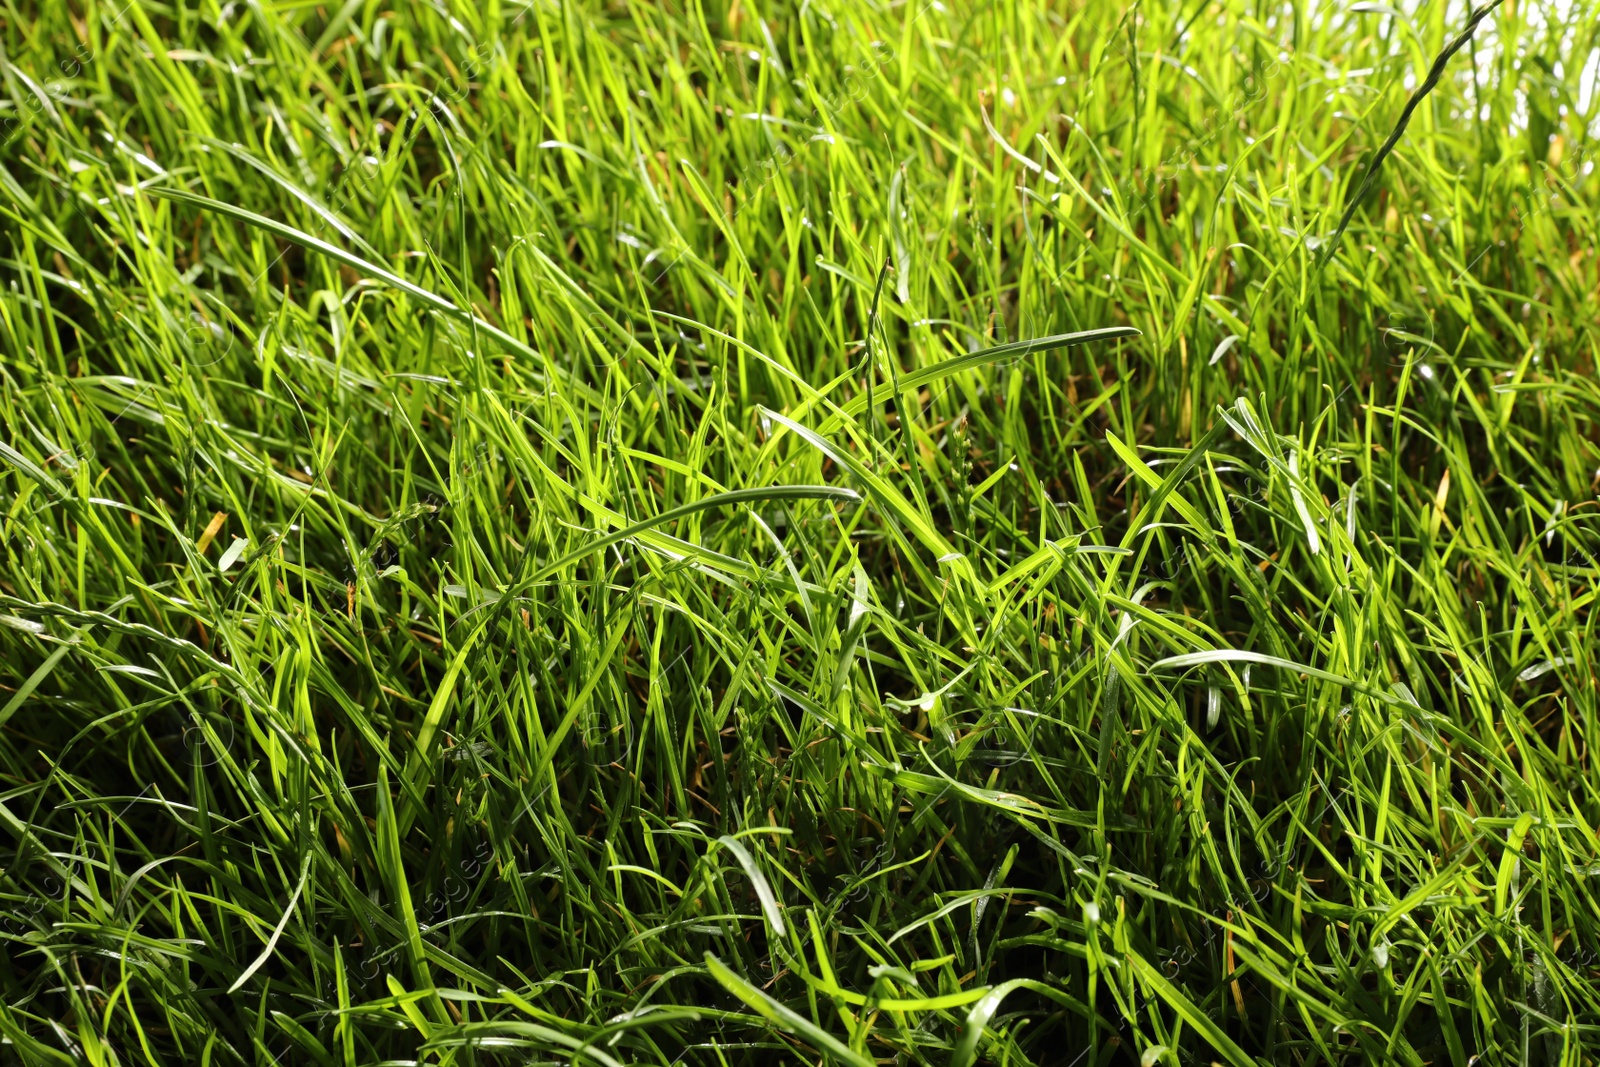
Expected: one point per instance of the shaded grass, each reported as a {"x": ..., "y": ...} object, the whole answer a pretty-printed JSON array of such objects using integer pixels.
[{"x": 525, "y": 540}]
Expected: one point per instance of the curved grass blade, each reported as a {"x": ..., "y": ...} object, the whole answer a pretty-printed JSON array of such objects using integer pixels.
[
  {"x": 1231, "y": 655},
  {"x": 966, "y": 1050},
  {"x": 885, "y": 493},
  {"x": 322, "y": 211},
  {"x": 769, "y": 900},
  {"x": 423, "y": 296},
  {"x": 782, "y": 1017},
  {"x": 716, "y": 500},
  {"x": 736, "y": 496},
  {"x": 1190, "y": 1014},
  {"x": 1435, "y": 72},
  {"x": 277, "y": 932},
  {"x": 943, "y": 369}
]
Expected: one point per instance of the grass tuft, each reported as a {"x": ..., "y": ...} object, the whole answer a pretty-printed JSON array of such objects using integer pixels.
[{"x": 743, "y": 533}]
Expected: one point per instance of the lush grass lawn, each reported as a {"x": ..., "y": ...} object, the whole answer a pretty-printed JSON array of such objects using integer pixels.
[{"x": 751, "y": 533}]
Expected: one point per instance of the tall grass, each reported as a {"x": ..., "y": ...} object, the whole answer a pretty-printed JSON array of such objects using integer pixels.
[{"x": 936, "y": 533}]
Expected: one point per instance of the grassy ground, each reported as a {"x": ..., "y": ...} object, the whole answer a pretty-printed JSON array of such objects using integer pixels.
[{"x": 533, "y": 533}]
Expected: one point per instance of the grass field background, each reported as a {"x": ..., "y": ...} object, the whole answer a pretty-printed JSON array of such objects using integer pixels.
[{"x": 752, "y": 533}]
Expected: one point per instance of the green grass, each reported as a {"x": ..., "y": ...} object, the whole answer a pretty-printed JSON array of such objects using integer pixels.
[{"x": 534, "y": 533}]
